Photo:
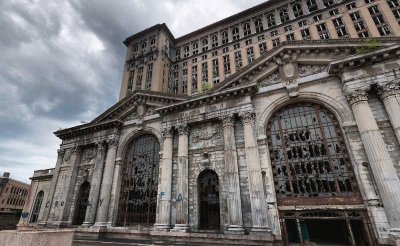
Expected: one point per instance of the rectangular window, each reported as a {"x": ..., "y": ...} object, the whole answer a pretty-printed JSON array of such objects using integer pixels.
[
  {"x": 204, "y": 57},
  {"x": 261, "y": 37},
  {"x": 227, "y": 66},
  {"x": 248, "y": 42},
  {"x": 384, "y": 30},
  {"x": 215, "y": 68},
  {"x": 215, "y": 53},
  {"x": 351, "y": 6},
  {"x": 184, "y": 85},
  {"x": 275, "y": 42},
  {"x": 194, "y": 60},
  {"x": 235, "y": 33},
  {"x": 288, "y": 28},
  {"x": 131, "y": 79},
  {"x": 204, "y": 72},
  {"x": 321, "y": 27},
  {"x": 238, "y": 59},
  {"x": 195, "y": 48},
  {"x": 250, "y": 54},
  {"x": 369, "y": 1},
  {"x": 324, "y": 36},
  {"x": 139, "y": 78},
  {"x": 302, "y": 23},
  {"x": 224, "y": 35},
  {"x": 236, "y": 46},
  {"x": 186, "y": 51},
  {"x": 305, "y": 34},
  {"x": 317, "y": 18},
  {"x": 263, "y": 47},
  {"x": 290, "y": 37},
  {"x": 334, "y": 12},
  {"x": 337, "y": 22},
  {"x": 204, "y": 44},
  {"x": 363, "y": 34},
  {"x": 274, "y": 33},
  {"x": 355, "y": 16},
  {"x": 225, "y": 50},
  {"x": 214, "y": 40},
  {"x": 194, "y": 78},
  {"x": 246, "y": 29}
]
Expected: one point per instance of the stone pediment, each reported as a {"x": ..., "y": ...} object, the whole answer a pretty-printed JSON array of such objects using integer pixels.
[
  {"x": 138, "y": 105},
  {"x": 297, "y": 59}
]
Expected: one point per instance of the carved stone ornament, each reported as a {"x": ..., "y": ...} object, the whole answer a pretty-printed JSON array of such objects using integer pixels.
[
  {"x": 198, "y": 135},
  {"x": 141, "y": 110},
  {"x": 288, "y": 68},
  {"x": 112, "y": 143},
  {"x": 356, "y": 96},
  {"x": 307, "y": 70},
  {"x": 68, "y": 153},
  {"x": 270, "y": 80},
  {"x": 183, "y": 129},
  {"x": 227, "y": 120},
  {"x": 85, "y": 174},
  {"x": 61, "y": 152},
  {"x": 388, "y": 89},
  {"x": 248, "y": 117},
  {"x": 89, "y": 154},
  {"x": 166, "y": 132}
]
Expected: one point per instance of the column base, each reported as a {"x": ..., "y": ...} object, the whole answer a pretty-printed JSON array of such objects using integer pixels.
[
  {"x": 235, "y": 229},
  {"x": 162, "y": 227},
  {"x": 260, "y": 230},
  {"x": 101, "y": 225},
  {"x": 394, "y": 236},
  {"x": 181, "y": 228},
  {"x": 87, "y": 224}
]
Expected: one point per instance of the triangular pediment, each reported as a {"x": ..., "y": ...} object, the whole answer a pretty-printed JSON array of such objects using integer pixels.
[
  {"x": 138, "y": 105},
  {"x": 297, "y": 59}
]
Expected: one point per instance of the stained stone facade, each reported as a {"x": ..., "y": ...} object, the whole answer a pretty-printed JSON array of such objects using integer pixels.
[{"x": 299, "y": 145}]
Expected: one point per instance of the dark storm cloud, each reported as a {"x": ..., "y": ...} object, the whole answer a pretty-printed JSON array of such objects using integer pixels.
[{"x": 61, "y": 63}]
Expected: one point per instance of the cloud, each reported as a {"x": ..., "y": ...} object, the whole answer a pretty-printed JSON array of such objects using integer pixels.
[{"x": 62, "y": 63}]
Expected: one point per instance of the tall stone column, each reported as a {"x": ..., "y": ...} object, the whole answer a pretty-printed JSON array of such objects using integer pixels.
[
  {"x": 49, "y": 201},
  {"x": 106, "y": 184},
  {"x": 95, "y": 185},
  {"x": 390, "y": 95},
  {"x": 232, "y": 175},
  {"x": 182, "y": 188},
  {"x": 384, "y": 172},
  {"x": 164, "y": 198},
  {"x": 257, "y": 197},
  {"x": 112, "y": 211}
]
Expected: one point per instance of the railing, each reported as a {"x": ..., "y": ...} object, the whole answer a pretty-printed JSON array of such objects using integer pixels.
[{"x": 43, "y": 172}]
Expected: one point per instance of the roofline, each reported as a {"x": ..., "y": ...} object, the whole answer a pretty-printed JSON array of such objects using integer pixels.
[
  {"x": 11, "y": 179},
  {"x": 162, "y": 26}
]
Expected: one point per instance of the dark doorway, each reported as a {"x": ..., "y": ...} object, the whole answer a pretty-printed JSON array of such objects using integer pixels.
[
  {"x": 209, "y": 200},
  {"x": 82, "y": 203}
]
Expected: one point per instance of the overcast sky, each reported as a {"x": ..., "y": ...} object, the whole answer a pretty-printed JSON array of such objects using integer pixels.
[{"x": 61, "y": 63}]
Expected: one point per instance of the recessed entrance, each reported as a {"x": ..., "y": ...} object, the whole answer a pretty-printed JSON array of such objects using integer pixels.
[
  {"x": 326, "y": 228},
  {"x": 82, "y": 203},
  {"x": 209, "y": 200}
]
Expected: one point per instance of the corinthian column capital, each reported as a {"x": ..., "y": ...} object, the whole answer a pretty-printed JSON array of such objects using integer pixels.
[
  {"x": 227, "y": 120},
  {"x": 248, "y": 117},
  {"x": 112, "y": 143},
  {"x": 355, "y": 96},
  {"x": 183, "y": 129},
  {"x": 166, "y": 132},
  {"x": 388, "y": 89}
]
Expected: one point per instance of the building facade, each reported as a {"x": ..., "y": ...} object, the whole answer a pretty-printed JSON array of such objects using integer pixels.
[
  {"x": 280, "y": 124},
  {"x": 13, "y": 195}
]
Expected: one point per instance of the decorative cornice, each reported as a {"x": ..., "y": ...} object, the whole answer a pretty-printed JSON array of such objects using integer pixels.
[
  {"x": 228, "y": 120},
  {"x": 247, "y": 117},
  {"x": 87, "y": 129},
  {"x": 355, "y": 96},
  {"x": 389, "y": 89}
]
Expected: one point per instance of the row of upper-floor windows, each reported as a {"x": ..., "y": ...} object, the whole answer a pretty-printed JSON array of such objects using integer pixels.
[
  {"x": 258, "y": 24},
  {"x": 14, "y": 201},
  {"x": 17, "y": 191}
]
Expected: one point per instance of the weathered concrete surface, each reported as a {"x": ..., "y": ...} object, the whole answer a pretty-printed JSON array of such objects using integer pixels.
[{"x": 37, "y": 238}]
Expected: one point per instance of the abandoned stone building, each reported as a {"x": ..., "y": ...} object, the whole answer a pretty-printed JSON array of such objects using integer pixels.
[{"x": 279, "y": 124}]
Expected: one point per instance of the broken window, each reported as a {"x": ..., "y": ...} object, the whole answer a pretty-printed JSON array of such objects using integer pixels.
[
  {"x": 139, "y": 184},
  {"x": 308, "y": 154},
  {"x": 297, "y": 11}
]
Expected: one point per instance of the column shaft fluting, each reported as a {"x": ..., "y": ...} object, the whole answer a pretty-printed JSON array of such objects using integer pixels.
[
  {"x": 106, "y": 184},
  {"x": 384, "y": 172},
  {"x": 95, "y": 185},
  {"x": 390, "y": 95},
  {"x": 232, "y": 175},
  {"x": 182, "y": 188},
  {"x": 164, "y": 198},
  {"x": 257, "y": 197}
]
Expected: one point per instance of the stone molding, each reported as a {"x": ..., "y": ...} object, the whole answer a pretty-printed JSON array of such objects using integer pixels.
[
  {"x": 388, "y": 89},
  {"x": 118, "y": 161},
  {"x": 61, "y": 152},
  {"x": 355, "y": 96},
  {"x": 99, "y": 145}
]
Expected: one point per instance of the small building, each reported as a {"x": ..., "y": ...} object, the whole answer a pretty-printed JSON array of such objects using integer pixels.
[{"x": 13, "y": 196}]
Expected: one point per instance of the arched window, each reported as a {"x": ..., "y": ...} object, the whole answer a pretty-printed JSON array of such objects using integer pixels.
[
  {"x": 309, "y": 155},
  {"x": 297, "y": 10},
  {"x": 208, "y": 189},
  {"x": 37, "y": 206},
  {"x": 82, "y": 203},
  {"x": 138, "y": 197}
]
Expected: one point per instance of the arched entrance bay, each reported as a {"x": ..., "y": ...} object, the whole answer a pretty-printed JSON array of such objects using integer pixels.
[
  {"x": 208, "y": 190},
  {"x": 138, "y": 197},
  {"x": 82, "y": 203}
]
